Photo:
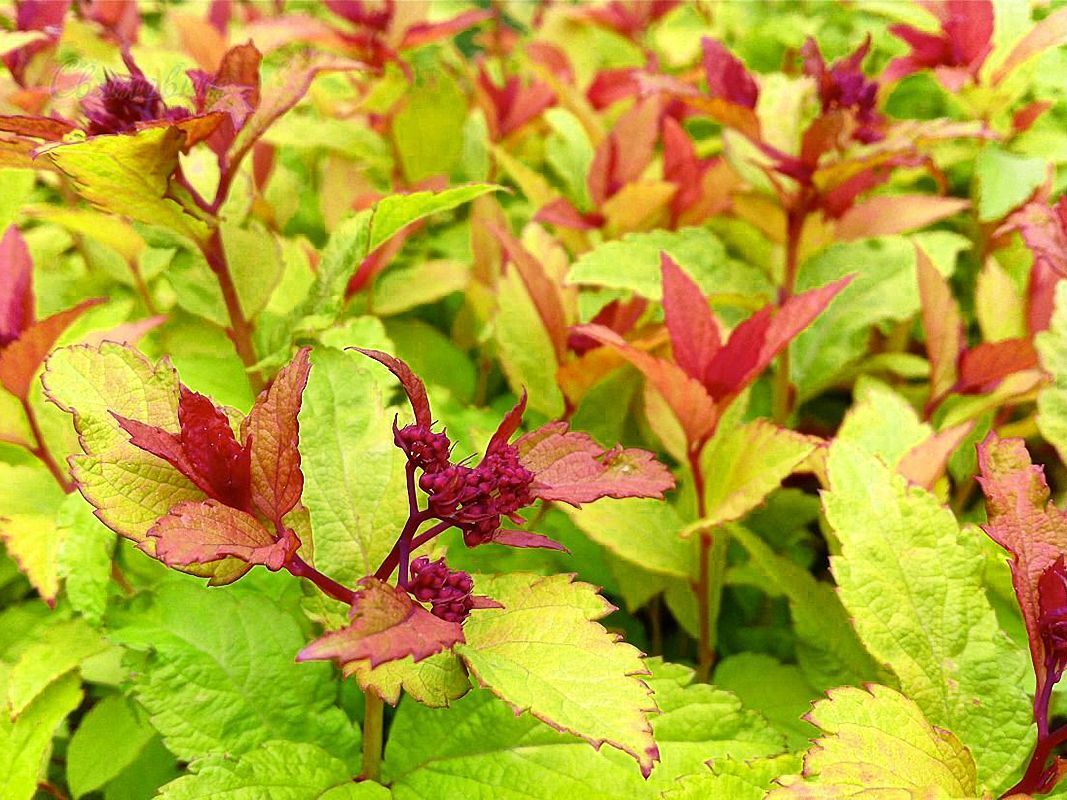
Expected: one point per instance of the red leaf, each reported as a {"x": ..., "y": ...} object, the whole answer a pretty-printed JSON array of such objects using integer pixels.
[
  {"x": 942, "y": 324},
  {"x": 426, "y": 32},
  {"x": 619, "y": 315},
  {"x": 543, "y": 290},
  {"x": 16, "y": 286},
  {"x": 213, "y": 450},
  {"x": 515, "y": 538},
  {"x": 626, "y": 152},
  {"x": 206, "y": 451},
  {"x": 21, "y": 359},
  {"x": 508, "y": 425},
  {"x": 274, "y": 432},
  {"x": 562, "y": 212},
  {"x": 728, "y": 78},
  {"x": 925, "y": 463},
  {"x": 199, "y": 533},
  {"x": 386, "y": 625},
  {"x": 570, "y": 467},
  {"x": 413, "y": 385},
  {"x": 690, "y": 402},
  {"x": 1022, "y": 520},
  {"x": 982, "y": 368},
  {"x": 887, "y": 215},
  {"x": 48, "y": 128},
  {"x": 694, "y": 331},
  {"x": 957, "y": 52},
  {"x": 754, "y": 344}
]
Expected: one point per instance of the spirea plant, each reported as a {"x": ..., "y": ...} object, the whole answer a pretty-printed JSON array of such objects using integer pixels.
[{"x": 617, "y": 400}]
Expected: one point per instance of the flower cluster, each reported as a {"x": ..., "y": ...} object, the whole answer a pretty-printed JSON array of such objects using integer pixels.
[
  {"x": 119, "y": 104},
  {"x": 447, "y": 591},
  {"x": 1052, "y": 622}
]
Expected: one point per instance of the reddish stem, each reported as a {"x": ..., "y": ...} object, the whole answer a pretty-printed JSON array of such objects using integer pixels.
[
  {"x": 240, "y": 330},
  {"x": 297, "y": 566},
  {"x": 41, "y": 451},
  {"x": 702, "y": 585}
]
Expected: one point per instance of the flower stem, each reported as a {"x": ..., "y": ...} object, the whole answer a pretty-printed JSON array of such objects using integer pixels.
[
  {"x": 41, "y": 451},
  {"x": 783, "y": 396},
  {"x": 702, "y": 587},
  {"x": 297, "y": 566},
  {"x": 240, "y": 330},
  {"x": 373, "y": 729}
]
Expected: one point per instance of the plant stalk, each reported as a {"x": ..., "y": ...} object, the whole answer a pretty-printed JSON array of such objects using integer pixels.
[
  {"x": 702, "y": 586},
  {"x": 41, "y": 451},
  {"x": 373, "y": 730},
  {"x": 301, "y": 569},
  {"x": 240, "y": 330},
  {"x": 782, "y": 402}
]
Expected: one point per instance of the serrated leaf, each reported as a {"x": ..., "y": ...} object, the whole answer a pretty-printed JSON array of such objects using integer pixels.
[
  {"x": 544, "y": 652},
  {"x": 435, "y": 681},
  {"x": 480, "y": 748},
  {"x": 747, "y": 464},
  {"x": 84, "y": 557},
  {"x": 913, "y": 585},
  {"x": 130, "y": 175},
  {"x": 29, "y": 501},
  {"x": 205, "y": 532},
  {"x": 25, "y": 741},
  {"x": 278, "y": 770},
  {"x": 780, "y": 692},
  {"x": 221, "y": 677},
  {"x": 877, "y": 744},
  {"x": 108, "y": 739},
  {"x": 129, "y": 487},
  {"x": 387, "y": 625},
  {"x": 733, "y": 780},
  {"x": 353, "y": 483}
]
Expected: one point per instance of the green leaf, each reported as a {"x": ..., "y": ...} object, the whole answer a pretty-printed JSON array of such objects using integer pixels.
[
  {"x": 58, "y": 650},
  {"x": 480, "y": 748},
  {"x": 130, "y": 488},
  {"x": 643, "y": 532},
  {"x": 109, "y": 738},
  {"x": 255, "y": 262},
  {"x": 877, "y": 743},
  {"x": 746, "y": 464},
  {"x": 633, "y": 263},
  {"x": 25, "y": 741},
  {"x": 84, "y": 558},
  {"x": 733, "y": 780},
  {"x": 1052, "y": 400},
  {"x": 780, "y": 692},
  {"x": 354, "y": 483},
  {"x": 411, "y": 285},
  {"x": 544, "y": 651},
  {"x": 278, "y": 770},
  {"x": 130, "y": 175},
  {"x": 221, "y": 677},
  {"x": 355, "y": 238},
  {"x": 428, "y": 129},
  {"x": 828, "y": 649},
  {"x": 913, "y": 585},
  {"x": 435, "y": 681},
  {"x": 526, "y": 352},
  {"x": 1004, "y": 180},
  {"x": 570, "y": 153},
  {"x": 29, "y": 500},
  {"x": 885, "y": 288},
  {"x": 882, "y": 423}
]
